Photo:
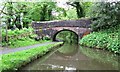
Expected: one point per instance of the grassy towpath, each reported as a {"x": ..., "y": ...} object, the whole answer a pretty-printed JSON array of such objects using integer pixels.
[
  {"x": 9, "y": 50},
  {"x": 17, "y": 59}
]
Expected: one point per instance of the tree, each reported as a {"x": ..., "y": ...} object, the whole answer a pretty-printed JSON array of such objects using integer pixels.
[
  {"x": 79, "y": 9},
  {"x": 107, "y": 14},
  {"x": 12, "y": 13},
  {"x": 42, "y": 11}
]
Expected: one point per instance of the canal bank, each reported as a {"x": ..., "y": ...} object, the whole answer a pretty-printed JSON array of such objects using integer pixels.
[{"x": 13, "y": 61}]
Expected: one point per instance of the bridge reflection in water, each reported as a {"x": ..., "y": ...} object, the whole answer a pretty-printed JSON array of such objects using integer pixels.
[
  {"x": 74, "y": 57},
  {"x": 67, "y": 50}
]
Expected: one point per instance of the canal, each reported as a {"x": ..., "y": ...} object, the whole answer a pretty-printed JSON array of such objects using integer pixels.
[{"x": 75, "y": 57}]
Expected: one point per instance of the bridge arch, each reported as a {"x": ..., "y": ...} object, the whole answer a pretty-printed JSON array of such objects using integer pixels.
[
  {"x": 55, "y": 34},
  {"x": 80, "y": 27}
]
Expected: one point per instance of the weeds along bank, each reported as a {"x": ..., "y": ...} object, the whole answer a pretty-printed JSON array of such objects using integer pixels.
[
  {"x": 105, "y": 39},
  {"x": 15, "y": 60},
  {"x": 18, "y": 38}
]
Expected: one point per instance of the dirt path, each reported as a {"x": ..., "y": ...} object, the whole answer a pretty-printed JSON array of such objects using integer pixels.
[{"x": 9, "y": 50}]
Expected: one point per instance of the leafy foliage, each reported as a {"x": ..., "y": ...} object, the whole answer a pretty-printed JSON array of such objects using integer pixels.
[
  {"x": 71, "y": 14},
  {"x": 79, "y": 8},
  {"x": 107, "y": 15},
  {"x": 105, "y": 39},
  {"x": 67, "y": 37},
  {"x": 42, "y": 11},
  {"x": 20, "y": 14},
  {"x": 20, "y": 39},
  {"x": 17, "y": 32},
  {"x": 14, "y": 13}
]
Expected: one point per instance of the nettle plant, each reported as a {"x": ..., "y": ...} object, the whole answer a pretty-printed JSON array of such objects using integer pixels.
[{"x": 107, "y": 15}]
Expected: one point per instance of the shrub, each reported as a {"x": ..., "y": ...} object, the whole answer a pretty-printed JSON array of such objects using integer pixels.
[
  {"x": 15, "y": 38},
  {"x": 105, "y": 39}
]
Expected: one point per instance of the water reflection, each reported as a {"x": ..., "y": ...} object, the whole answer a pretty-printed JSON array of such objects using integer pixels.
[
  {"x": 67, "y": 50},
  {"x": 102, "y": 56},
  {"x": 73, "y": 57}
]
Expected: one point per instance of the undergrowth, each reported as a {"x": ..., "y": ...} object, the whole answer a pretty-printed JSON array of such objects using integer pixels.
[{"x": 105, "y": 39}]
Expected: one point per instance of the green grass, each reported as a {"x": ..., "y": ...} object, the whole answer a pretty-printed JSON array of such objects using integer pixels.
[
  {"x": 104, "y": 39},
  {"x": 15, "y": 60},
  {"x": 25, "y": 42},
  {"x": 20, "y": 41}
]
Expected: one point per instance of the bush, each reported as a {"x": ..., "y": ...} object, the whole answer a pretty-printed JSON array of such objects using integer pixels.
[
  {"x": 16, "y": 31},
  {"x": 105, "y": 39},
  {"x": 20, "y": 40},
  {"x": 33, "y": 36}
]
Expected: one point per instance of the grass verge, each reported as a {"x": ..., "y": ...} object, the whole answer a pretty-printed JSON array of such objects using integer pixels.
[
  {"x": 15, "y": 60},
  {"x": 26, "y": 41}
]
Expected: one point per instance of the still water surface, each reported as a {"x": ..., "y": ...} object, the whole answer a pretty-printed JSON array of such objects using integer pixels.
[{"x": 74, "y": 57}]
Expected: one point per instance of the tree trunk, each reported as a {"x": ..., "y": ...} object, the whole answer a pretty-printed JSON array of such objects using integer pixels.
[
  {"x": 43, "y": 12},
  {"x": 49, "y": 14},
  {"x": 17, "y": 22},
  {"x": 79, "y": 10}
]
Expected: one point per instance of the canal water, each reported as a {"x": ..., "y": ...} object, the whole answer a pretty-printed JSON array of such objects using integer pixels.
[{"x": 75, "y": 57}]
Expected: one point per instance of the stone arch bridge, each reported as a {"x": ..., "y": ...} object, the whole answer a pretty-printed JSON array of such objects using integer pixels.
[{"x": 52, "y": 28}]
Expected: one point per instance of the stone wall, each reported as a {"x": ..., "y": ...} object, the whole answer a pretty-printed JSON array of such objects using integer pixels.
[{"x": 83, "y": 23}]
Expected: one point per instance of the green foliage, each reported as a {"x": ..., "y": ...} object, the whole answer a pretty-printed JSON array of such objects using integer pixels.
[
  {"x": 67, "y": 36},
  {"x": 19, "y": 40},
  {"x": 21, "y": 12},
  {"x": 71, "y": 14},
  {"x": 82, "y": 9},
  {"x": 79, "y": 8},
  {"x": 16, "y": 32},
  {"x": 107, "y": 15},
  {"x": 42, "y": 11},
  {"x": 15, "y": 60},
  {"x": 13, "y": 13},
  {"x": 105, "y": 39},
  {"x": 24, "y": 42},
  {"x": 87, "y": 8}
]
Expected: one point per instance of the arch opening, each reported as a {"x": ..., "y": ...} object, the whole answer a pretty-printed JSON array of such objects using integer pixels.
[{"x": 66, "y": 35}]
